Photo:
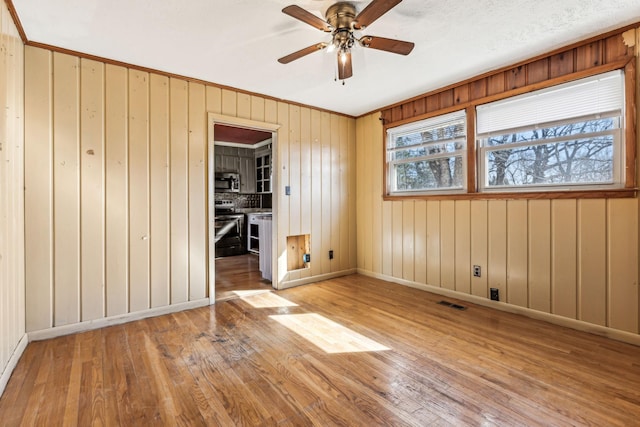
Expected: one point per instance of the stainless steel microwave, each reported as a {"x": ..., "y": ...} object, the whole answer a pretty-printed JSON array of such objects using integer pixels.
[{"x": 227, "y": 182}]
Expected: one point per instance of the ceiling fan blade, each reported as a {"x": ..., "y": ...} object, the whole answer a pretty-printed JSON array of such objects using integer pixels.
[
  {"x": 389, "y": 45},
  {"x": 344, "y": 67},
  {"x": 306, "y": 17},
  {"x": 302, "y": 52},
  {"x": 373, "y": 11}
]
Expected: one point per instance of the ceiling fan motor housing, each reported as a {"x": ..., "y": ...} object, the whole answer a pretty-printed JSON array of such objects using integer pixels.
[{"x": 341, "y": 16}]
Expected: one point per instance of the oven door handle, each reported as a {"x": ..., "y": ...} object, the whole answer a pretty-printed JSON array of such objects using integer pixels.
[{"x": 224, "y": 229}]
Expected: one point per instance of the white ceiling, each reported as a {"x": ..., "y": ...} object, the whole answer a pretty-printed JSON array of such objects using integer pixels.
[{"x": 237, "y": 42}]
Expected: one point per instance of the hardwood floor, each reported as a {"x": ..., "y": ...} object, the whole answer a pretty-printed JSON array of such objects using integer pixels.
[
  {"x": 239, "y": 363},
  {"x": 238, "y": 273}
]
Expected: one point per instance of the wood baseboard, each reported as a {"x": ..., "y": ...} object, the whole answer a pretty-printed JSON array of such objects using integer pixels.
[
  {"x": 13, "y": 362},
  {"x": 618, "y": 335},
  {"x": 313, "y": 279},
  {"x": 89, "y": 325}
]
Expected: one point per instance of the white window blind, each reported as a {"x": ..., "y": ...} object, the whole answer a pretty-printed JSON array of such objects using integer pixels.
[
  {"x": 593, "y": 95},
  {"x": 442, "y": 121}
]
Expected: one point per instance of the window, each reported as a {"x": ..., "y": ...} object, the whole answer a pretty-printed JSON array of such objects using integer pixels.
[
  {"x": 428, "y": 156},
  {"x": 557, "y": 138},
  {"x": 564, "y": 139}
]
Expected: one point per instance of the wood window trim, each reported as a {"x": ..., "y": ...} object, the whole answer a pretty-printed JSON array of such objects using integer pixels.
[{"x": 630, "y": 189}]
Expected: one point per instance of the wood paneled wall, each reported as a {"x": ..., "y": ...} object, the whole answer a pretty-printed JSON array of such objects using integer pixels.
[
  {"x": 574, "y": 258},
  {"x": 12, "y": 324},
  {"x": 116, "y": 189},
  {"x": 561, "y": 64}
]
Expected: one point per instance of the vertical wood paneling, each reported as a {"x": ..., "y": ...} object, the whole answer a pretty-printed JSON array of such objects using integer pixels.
[
  {"x": 117, "y": 190},
  {"x": 294, "y": 178},
  {"x": 159, "y": 164},
  {"x": 38, "y": 184},
  {"x": 447, "y": 244},
  {"x": 18, "y": 135},
  {"x": 497, "y": 247},
  {"x": 326, "y": 191},
  {"x": 374, "y": 149},
  {"x": 433, "y": 243},
  {"x": 387, "y": 236},
  {"x": 420, "y": 241},
  {"x": 479, "y": 246},
  {"x": 139, "y": 285},
  {"x": 229, "y": 102},
  {"x": 294, "y": 171},
  {"x": 12, "y": 185},
  {"x": 6, "y": 209},
  {"x": 214, "y": 100},
  {"x": 362, "y": 125},
  {"x": 463, "y": 246},
  {"x": 128, "y": 151},
  {"x": 92, "y": 189},
  {"x": 592, "y": 261},
  {"x": 244, "y": 105},
  {"x": 623, "y": 264},
  {"x": 343, "y": 200},
  {"x": 563, "y": 258},
  {"x": 517, "y": 253},
  {"x": 197, "y": 193},
  {"x": 572, "y": 59},
  {"x": 257, "y": 108},
  {"x": 305, "y": 176},
  {"x": 408, "y": 233},
  {"x": 566, "y": 257},
  {"x": 336, "y": 214},
  {"x": 270, "y": 111},
  {"x": 66, "y": 191},
  {"x": 397, "y": 251},
  {"x": 179, "y": 191},
  {"x": 540, "y": 255},
  {"x": 284, "y": 176},
  {"x": 351, "y": 197},
  {"x": 538, "y": 71},
  {"x": 367, "y": 251},
  {"x": 316, "y": 187}
]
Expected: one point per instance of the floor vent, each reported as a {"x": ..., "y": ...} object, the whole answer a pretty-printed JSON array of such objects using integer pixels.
[{"x": 452, "y": 305}]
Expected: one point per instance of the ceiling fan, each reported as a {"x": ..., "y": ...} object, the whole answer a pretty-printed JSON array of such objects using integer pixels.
[{"x": 341, "y": 22}]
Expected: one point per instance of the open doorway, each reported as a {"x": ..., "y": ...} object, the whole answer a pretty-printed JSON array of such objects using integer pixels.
[{"x": 241, "y": 206}]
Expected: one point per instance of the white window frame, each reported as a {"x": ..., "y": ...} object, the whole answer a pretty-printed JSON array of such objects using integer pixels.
[
  {"x": 561, "y": 111},
  {"x": 415, "y": 127}
]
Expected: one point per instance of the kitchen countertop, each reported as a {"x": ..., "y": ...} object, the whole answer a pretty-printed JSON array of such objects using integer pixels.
[{"x": 253, "y": 210}]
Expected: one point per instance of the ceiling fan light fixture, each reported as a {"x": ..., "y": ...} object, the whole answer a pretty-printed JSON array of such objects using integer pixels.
[
  {"x": 341, "y": 22},
  {"x": 343, "y": 56}
]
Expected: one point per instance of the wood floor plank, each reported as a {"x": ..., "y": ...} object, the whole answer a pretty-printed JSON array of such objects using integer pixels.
[{"x": 234, "y": 364}]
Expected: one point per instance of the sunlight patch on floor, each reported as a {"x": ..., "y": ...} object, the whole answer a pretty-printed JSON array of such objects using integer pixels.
[
  {"x": 326, "y": 334},
  {"x": 264, "y": 299}
]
